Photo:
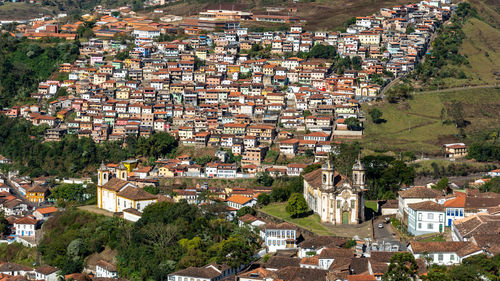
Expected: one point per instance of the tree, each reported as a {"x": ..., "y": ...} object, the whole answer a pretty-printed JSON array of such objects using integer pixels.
[
  {"x": 265, "y": 179},
  {"x": 263, "y": 199},
  {"x": 311, "y": 168},
  {"x": 456, "y": 112},
  {"x": 442, "y": 184},
  {"x": 353, "y": 124},
  {"x": 152, "y": 189},
  {"x": 246, "y": 210},
  {"x": 280, "y": 194},
  {"x": 376, "y": 115},
  {"x": 402, "y": 267},
  {"x": 297, "y": 206}
]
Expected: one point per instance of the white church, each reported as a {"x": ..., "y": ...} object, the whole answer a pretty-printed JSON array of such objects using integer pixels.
[{"x": 334, "y": 197}]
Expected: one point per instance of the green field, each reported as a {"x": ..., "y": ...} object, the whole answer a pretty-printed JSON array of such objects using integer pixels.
[
  {"x": 311, "y": 223},
  {"x": 372, "y": 205},
  {"x": 416, "y": 125}
]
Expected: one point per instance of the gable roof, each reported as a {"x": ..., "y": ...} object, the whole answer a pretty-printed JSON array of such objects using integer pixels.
[
  {"x": 135, "y": 193},
  {"x": 115, "y": 184},
  {"x": 461, "y": 248},
  {"x": 420, "y": 192}
]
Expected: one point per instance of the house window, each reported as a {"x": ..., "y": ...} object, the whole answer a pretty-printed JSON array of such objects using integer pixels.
[
  {"x": 429, "y": 226},
  {"x": 452, "y": 257},
  {"x": 440, "y": 257},
  {"x": 461, "y": 212},
  {"x": 338, "y": 204},
  {"x": 419, "y": 225},
  {"x": 440, "y": 217},
  {"x": 420, "y": 216},
  {"x": 447, "y": 212},
  {"x": 353, "y": 204},
  {"x": 430, "y": 216}
]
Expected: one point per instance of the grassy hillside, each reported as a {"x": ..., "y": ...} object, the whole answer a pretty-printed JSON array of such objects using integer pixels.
[
  {"x": 481, "y": 47},
  {"x": 416, "y": 125}
]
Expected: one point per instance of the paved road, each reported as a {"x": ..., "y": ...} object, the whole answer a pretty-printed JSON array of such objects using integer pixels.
[
  {"x": 385, "y": 234},
  {"x": 382, "y": 234}
]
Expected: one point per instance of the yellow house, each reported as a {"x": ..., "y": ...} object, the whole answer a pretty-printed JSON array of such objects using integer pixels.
[
  {"x": 37, "y": 194},
  {"x": 165, "y": 172},
  {"x": 123, "y": 93}
]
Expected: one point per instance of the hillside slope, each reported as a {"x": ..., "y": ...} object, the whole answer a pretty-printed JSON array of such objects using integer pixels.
[
  {"x": 481, "y": 47},
  {"x": 417, "y": 126}
]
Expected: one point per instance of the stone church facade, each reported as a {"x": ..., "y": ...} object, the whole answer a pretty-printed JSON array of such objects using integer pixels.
[{"x": 334, "y": 197}]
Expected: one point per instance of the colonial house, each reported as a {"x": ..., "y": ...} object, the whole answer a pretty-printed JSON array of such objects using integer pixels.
[
  {"x": 444, "y": 253},
  {"x": 455, "y": 150},
  {"x": 105, "y": 269},
  {"x": 47, "y": 273},
  {"x": 281, "y": 236},
  {"x": 413, "y": 195},
  {"x": 425, "y": 217},
  {"x": 240, "y": 201}
]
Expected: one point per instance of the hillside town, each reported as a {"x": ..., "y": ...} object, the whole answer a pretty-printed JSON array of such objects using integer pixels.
[{"x": 238, "y": 98}]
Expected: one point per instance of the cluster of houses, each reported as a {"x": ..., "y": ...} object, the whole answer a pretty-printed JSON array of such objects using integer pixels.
[{"x": 211, "y": 90}]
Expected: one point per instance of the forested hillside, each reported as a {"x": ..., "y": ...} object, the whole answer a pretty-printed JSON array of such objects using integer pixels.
[
  {"x": 168, "y": 237},
  {"x": 25, "y": 63},
  {"x": 23, "y": 143}
]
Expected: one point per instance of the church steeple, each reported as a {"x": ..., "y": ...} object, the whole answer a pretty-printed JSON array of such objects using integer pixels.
[
  {"x": 358, "y": 174},
  {"x": 327, "y": 174},
  {"x": 121, "y": 172},
  {"x": 102, "y": 175}
]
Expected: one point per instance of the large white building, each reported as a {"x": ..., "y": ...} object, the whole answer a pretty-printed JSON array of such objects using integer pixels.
[
  {"x": 335, "y": 197},
  {"x": 414, "y": 195},
  {"x": 281, "y": 236},
  {"x": 425, "y": 217}
]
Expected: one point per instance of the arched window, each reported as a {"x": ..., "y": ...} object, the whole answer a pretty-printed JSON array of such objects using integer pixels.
[
  {"x": 123, "y": 175},
  {"x": 324, "y": 178},
  {"x": 105, "y": 176},
  {"x": 355, "y": 178}
]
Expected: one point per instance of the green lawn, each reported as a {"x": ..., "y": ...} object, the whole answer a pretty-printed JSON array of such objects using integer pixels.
[
  {"x": 416, "y": 125},
  {"x": 311, "y": 222},
  {"x": 438, "y": 238},
  {"x": 372, "y": 205}
]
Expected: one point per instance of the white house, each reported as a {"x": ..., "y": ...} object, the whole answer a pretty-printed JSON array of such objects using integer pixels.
[
  {"x": 132, "y": 214},
  {"x": 494, "y": 173},
  {"x": 25, "y": 227},
  {"x": 46, "y": 272},
  {"x": 14, "y": 269},
  {"x": 240, "y": 201},
  {"x": 105, "y": 269},
  {"x": 413, "y": 195},
  {"x": 444, "y": 253},
  {"x": 425, "y": 217},
  {"x": 280, "y": 236}
]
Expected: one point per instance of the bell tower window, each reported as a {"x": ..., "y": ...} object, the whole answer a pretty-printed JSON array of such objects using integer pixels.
[{"x": 324, "y": 178}]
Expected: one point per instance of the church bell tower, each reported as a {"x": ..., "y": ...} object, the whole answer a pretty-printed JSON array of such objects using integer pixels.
[
  {"x": 327, "y": 174},
  {"x": 102, "y": 175},
  {"x": 358, "y": 174}
]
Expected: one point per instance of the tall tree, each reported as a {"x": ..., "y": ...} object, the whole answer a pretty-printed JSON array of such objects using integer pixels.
[{"x": 402, "y": 267}]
